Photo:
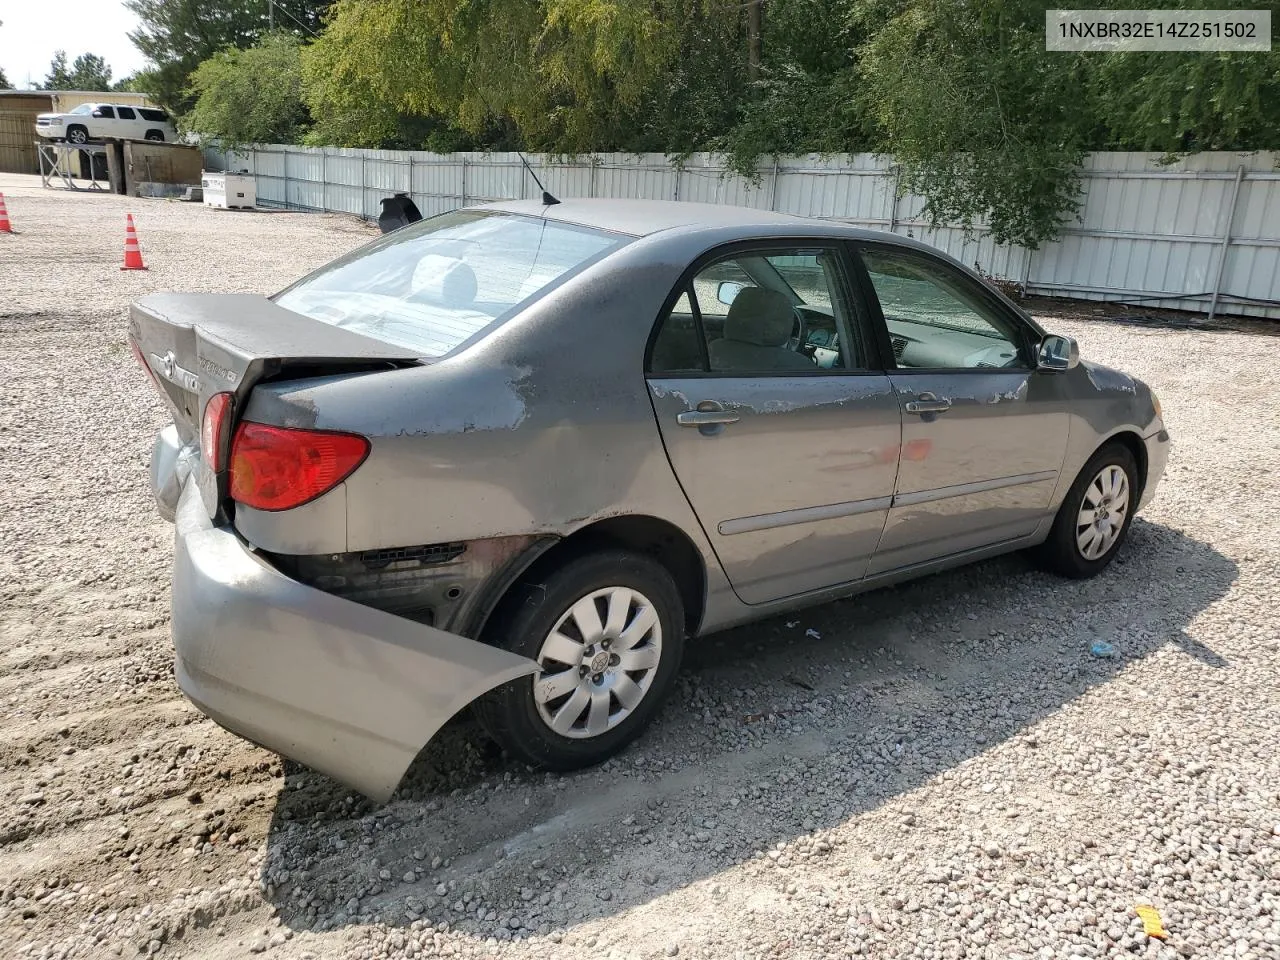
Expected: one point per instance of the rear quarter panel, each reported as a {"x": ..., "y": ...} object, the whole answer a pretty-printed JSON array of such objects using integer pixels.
[{"x": 541, "y": 427}]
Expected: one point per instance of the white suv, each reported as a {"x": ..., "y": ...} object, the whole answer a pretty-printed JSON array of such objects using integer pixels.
[{"x": 98, "y": 121}]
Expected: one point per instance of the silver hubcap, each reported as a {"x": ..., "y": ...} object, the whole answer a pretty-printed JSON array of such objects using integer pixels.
[
  {"x": 598, "y": 662},
  {"x": 1103, "y": 513}
]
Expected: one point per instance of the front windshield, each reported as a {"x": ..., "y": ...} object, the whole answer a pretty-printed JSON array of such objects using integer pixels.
[
  {"x": 434, "y": 284},
  {"x": 83, "y": 109}
]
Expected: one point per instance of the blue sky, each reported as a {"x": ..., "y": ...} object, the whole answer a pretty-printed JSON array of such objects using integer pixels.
[{"x": 31, "y": 30}]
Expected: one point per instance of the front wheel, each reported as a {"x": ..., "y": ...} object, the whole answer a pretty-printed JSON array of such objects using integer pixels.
[
  {"x": 607, "y": 632},
  {"x": 1095, "y": 516},
  {"x": 77, "y": 135}
]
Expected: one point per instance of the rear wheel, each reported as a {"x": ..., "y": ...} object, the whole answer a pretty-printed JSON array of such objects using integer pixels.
[
  {"x": 1095, "y": 516},
  {"x": 156, "y": 135},
  {"x": 607, "y": 631},
  {"x": 77, "y": 134}
]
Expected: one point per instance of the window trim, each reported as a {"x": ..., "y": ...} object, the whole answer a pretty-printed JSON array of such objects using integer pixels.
[
  {"x": 859, "y": 320},
  {"x": 1028, "y": 336}
]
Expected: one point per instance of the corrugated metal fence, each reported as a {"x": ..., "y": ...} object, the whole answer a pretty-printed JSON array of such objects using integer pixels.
[{"x": 1202, "y": 234}]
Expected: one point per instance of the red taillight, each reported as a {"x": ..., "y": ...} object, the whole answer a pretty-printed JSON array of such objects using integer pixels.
[
  {"x": 276, "y": 468},
  {"x": 213, "y": 429}
]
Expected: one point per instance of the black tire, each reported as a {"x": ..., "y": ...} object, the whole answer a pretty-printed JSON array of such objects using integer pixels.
[
  {"x": 77, "y": 134},
  {"x": 1061, "y": 552},
  {"x": 156, "y": 135},
  {"x": 527, "y": 617}
]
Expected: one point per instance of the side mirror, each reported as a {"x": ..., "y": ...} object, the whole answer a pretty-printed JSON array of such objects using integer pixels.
[
  {"x": 727, "y": 291},
  {"x": 97, "y": 113},
  {"x": 1057, "y": 353}
]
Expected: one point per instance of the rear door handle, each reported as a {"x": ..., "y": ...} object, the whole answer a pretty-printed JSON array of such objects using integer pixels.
[
  {"x": 928, "y": 403},
  {"x": 705, "y": 418}
]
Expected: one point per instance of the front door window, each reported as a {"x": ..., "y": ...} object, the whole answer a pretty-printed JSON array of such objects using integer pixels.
[{"x": 936, "y": 319}]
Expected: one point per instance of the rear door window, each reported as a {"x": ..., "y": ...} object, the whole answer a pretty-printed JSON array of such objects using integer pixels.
[
  {"x": 126, "y": 113},
  {"x": 435, "y": 284},
  {"x": 765, "y": 311}
]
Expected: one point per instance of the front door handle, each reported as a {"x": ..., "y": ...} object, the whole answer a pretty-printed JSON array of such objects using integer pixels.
[
  {"x": 928, "y": 403},
  {"x": 706, "y": 418}
]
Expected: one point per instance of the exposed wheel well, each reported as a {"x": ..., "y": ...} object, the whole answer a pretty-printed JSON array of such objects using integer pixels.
[
  {"x": 1139, "y": 450},
  {"x": 663, "y": 541}
]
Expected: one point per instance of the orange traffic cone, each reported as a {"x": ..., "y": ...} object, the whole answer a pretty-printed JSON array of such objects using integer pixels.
[
  {"x": 132, "y": 254},
  {"x": 4, "y": 217}
]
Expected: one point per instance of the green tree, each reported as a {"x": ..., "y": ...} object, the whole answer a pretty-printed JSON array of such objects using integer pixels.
[
  {"x": 128, "y": 84},
  {"x": 250, "y": 96},
  {"x": 178, "y": 35},
  {"x": 59, "y": 76},
  {"x": 983, "y": 123},
  {"x": 1181, "y": 102},
  {"x": 806, "y": 96},
  {"x": 559, "y": 75},
  {"x": 90, "y": 72},
  {"x": 4, "y": 81}
]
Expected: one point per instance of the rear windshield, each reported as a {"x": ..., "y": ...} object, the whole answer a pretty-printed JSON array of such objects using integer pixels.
[{"x": 434, "y": 284}]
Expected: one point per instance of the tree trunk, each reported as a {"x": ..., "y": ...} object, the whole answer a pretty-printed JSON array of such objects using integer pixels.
[{"x": 755, "y": 17}]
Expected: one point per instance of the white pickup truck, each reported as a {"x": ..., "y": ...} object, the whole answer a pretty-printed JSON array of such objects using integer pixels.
[{"x": 99, "y": 121}]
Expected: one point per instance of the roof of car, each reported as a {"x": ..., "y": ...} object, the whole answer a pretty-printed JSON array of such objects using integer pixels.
[{"x": 642, "y": 217}]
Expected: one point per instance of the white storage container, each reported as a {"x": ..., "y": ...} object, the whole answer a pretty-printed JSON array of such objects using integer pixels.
[{"x": 228, "y": 191}]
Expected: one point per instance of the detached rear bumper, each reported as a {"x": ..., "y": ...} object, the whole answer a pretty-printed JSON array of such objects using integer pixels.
[{"x": 345, "y": 689}]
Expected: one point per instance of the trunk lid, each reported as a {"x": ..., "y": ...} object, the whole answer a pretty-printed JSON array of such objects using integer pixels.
[{"x": 198, "y": 345}]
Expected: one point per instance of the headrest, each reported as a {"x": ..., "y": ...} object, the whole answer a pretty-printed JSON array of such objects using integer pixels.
[
  {"x": 448, "y": 281},
  {"x": 760, "y": 316}
]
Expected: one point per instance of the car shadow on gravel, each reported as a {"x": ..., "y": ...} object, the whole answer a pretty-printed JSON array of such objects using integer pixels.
[{"x": 775, "y": 732}]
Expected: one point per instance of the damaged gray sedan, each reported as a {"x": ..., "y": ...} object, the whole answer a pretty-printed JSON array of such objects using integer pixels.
[{"x": 513, "y": 456}]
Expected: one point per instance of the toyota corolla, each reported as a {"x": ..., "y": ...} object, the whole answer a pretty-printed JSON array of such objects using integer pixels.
[{"x": 512, "y": 457}]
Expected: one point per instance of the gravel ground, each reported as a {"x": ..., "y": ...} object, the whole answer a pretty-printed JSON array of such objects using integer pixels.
[{"x": 936, "y": 770}]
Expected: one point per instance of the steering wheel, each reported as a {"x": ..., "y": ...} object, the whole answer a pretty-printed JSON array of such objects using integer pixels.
[{"x": 799, "y": 341}]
